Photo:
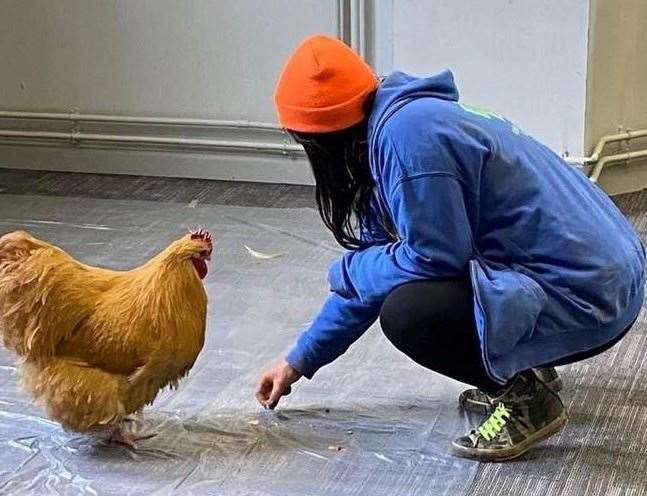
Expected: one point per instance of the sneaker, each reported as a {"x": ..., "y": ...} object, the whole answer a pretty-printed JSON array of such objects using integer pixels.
[
  {"x": 475, "y": 400},
  {"x": 524, "y": 415}
]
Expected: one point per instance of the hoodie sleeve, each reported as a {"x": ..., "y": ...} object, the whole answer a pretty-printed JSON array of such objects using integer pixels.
[
  {"x": 340, "y": 323},
  {"x": 435, "y": 241}
]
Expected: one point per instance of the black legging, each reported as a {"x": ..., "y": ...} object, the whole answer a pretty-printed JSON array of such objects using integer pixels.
[{"x": 432, "y": 322}]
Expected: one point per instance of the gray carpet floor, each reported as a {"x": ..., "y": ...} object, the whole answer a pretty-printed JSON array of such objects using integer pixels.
[{"x": 602, "y": 451}]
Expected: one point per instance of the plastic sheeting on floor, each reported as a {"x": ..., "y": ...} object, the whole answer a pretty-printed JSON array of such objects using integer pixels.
[{"x": 392, "y": 419}]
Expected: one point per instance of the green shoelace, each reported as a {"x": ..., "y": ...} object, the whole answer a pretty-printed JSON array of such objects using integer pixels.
[{"x": 495, "y": 422}]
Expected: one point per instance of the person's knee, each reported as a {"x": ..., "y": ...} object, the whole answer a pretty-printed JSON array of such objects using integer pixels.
[{"x": 393, "y": 320}]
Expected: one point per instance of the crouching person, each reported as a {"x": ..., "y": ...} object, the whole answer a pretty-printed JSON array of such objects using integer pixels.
[{"x": 486, "y": 257}]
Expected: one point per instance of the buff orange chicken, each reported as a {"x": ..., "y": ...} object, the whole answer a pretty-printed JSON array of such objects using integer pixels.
[{"x": 97, "y": 345}]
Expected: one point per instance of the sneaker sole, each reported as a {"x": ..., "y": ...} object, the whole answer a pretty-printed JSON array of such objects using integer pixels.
[
  {"x": 485, "y": 408},
  {"x": 505, "y": 454}
]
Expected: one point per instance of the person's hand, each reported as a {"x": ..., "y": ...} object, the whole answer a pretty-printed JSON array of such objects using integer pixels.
[{"x": 276, "y": 382}]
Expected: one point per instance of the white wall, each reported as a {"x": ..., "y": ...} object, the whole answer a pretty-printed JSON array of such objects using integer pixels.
[
  {"x": 214, "y": 59},
  {"x": 161, "y": 58},
  {"x": 525, "y": 59},
  {"x": 196, "y": 58}
]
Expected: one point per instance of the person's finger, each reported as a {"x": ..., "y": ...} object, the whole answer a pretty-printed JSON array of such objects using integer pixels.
[
  {"x": 264, "y": 389},
  {"x": 275, "y": 395},
  {"x": 264, "y": 385},
  {"x": 261, "y": 398}
]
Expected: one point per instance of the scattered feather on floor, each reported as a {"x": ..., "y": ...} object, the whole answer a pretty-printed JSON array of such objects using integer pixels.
[{"x": 262, "y": 256}]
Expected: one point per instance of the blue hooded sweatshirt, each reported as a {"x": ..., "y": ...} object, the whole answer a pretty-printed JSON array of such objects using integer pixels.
[{"x": 555, "y": 267}]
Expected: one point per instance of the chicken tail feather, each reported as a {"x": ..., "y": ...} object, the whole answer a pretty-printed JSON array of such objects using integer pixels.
[{"x": 42, "y": 295}]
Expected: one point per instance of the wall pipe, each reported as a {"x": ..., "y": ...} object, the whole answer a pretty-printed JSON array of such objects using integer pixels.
[
  {"x": 358, "y": 27},
  {"x": 75, "y": 117},
  {"x": 612, "y": 159},
  {"x": 611, "y": 138},
  {"x": 282, "y": 148},
  {"x": 77, "y": 137}
]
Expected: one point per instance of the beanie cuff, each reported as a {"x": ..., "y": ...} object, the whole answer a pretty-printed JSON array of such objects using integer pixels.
[{"x": 325, "y": 119}]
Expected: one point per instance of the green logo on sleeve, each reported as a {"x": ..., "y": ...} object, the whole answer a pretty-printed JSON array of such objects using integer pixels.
[
  {"x": 483, "y": 112},
  {"x": 488, "y": 114}
]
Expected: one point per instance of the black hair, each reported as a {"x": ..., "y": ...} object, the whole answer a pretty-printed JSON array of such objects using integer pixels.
[{"x": 343, "y": 181}]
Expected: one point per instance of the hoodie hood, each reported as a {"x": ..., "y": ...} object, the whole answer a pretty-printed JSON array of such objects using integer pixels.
[{"x": 398, "y": 88}]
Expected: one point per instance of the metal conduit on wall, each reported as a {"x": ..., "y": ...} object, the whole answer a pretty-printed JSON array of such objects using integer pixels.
[
  {"x": 76, "y": 117},
  {"x": 78, "y": 137},
  {"x": 189, "y": 143},
  {"x": 597, "y": 162}
]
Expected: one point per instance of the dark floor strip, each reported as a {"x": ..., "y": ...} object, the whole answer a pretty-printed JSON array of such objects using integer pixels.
[{"x": 179, "y": 190}]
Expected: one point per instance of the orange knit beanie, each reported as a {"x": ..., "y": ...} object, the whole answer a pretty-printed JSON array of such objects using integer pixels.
[{"x": 323, "y": 87}]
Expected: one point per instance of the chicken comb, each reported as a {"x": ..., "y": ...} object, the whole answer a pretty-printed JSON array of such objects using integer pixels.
[{"x": 202, "y": 234}]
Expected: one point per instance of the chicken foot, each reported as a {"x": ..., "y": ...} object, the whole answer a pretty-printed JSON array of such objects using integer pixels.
[{"x": 131, "y": 430}]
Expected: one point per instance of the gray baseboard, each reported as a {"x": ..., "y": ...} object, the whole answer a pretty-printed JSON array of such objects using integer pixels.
[
  {"x": 219, "y": 165},
  {"x": 223, "y": 152}
]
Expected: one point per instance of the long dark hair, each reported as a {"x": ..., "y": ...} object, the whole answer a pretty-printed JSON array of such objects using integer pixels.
[{"x": 344, "y": 184}]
